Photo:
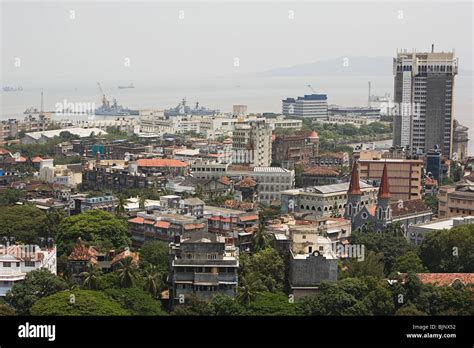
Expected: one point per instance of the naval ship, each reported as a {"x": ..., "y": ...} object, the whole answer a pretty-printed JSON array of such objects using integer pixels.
[
  {"x": 114, "y": 109},
  {"x": 183, "y": 109}
]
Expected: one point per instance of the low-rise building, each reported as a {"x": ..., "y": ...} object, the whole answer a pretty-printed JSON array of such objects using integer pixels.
[
  {"x": 456, "y": 200},
  {"x": 18, "y": 260},
  {"x": 416, "y": 233},
  {"x": 203, "y": 266},
  {"x": 325, "y": 200}
]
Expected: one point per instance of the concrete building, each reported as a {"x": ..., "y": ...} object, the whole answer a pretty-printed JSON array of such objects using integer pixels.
[
  {"x": 405, "y": 176},
  {"x": 298, "y": 147},
  {"x": 416, "y": 233},
  {"x": 311, "y": 261},
  {"x": 18, "y": 260},
  {"x": 203, "y": 266},
  {"x": 424, "y": 83},
  {"x": 324, "y": 200},
  {"x": 252, "y": 143},
  {"x": 456, "y": 200},
  {"x": 239, "y": 110},
  {"x": 460, "y": 141},
  {"x": 310, "y": 106},
  {"x": 69, "y": 175},
  {"x": 43, "y": 137}
]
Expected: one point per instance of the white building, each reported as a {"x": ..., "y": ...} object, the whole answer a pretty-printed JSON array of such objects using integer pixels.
[
  {"x": 252, "y": 143},
  {"x": 45, "y": 136},
  {"x": 68, "y": 175},
  {"x": 17, "y": 260},
  {"x": 311, "y": 106}
]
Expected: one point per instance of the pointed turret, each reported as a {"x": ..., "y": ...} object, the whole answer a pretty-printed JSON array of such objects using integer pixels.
[
  {"x": 384, "y": 189},
  {"x": 383, "y": 210},
  {"x": 354, "y": 195},
  {"x": 354, "y": 186}
]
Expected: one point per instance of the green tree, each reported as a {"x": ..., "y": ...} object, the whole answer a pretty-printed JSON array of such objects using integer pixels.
[
  {"x": 432, "y": 202},
  {"x": 136, "y": 301},
  {"x": 36, "y": 285},
  {"x": 264, "y": 267},
  {"x": 6, "y": 310},
  {"x": 11, "y": 196},
  {"x": 95, "y": 227},
  {"x": 155, "y": 253},
  {"x": 409, "y": 310},
  {"x": 372, "y": 265},
  {"x": 127, "y": 273},
  {"x": 226, "y": 306},
  {"x": 390, "y": 242},
  {"x": 449, "y": 251},
  {"x": 25, "y": 223},
  {"x": 193, "y": 307},
  {"x": 90, "y": 278},
  {"x": 409, "y": 262},
  {"x": 120, "y": 206},
  {"x": 78, "y": 303},
  {"x": 273, "y": 304},
  {"x": 142, "y": 201},
  {"x": 153, "y": 280}
]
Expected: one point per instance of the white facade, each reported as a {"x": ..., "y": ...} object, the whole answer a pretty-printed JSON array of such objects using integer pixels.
[{"x": 17, "y": 260}]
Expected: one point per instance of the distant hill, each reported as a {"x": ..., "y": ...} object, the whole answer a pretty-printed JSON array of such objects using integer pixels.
[{"x": 357, "y": 66}]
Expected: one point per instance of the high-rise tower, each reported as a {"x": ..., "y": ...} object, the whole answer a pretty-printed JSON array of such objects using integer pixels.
[{"x": 424, "y": 83}]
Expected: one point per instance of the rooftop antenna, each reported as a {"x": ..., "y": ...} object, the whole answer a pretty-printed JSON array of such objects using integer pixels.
[
  {"x": 311, "y": 87},
  {"x": 432, "y": 48}
]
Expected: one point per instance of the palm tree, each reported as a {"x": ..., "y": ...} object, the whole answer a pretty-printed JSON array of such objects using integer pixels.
[
  {"x": 153, "y": 282},
  {"x": 127, "y": 273},
  {"x": 90, "y": 278},
  {"x": 248, "y": 288},
  {"x": 261, "y": 237},
  {"x": 120, "y": 207},
  {"x": 142, "y": 201}
]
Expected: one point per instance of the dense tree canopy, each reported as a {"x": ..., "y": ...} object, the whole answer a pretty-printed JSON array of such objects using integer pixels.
[
  {"x": 95, "y": 227},
  {"x": 449, "y": 250},
  {"x": 78, "y": 303},
  {"x": 25, "y": 223},
  {"x": 136, "y": 301},
  {"x": 36, "y": 285},
  {"x": 155, "y": 253},
  {"x": 391, "y": 243}
]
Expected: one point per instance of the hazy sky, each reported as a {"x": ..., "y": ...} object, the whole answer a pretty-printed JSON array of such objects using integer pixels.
[{"x": 160, "y": 45}]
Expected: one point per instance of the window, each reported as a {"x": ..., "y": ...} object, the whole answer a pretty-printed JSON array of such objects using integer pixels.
[
  {"x": 7, "y": 264},
  {"x": 29, "y": 264}
]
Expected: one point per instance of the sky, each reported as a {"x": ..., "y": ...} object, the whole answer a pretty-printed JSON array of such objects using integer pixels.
[{"x": 65, "y": 42}]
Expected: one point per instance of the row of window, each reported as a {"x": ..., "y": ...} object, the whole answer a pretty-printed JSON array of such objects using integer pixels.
[{"x": 27, "y": 264}]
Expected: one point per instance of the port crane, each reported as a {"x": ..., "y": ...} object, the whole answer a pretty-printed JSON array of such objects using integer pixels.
[
  {"x": 311, "y": 88},
  {"x": 105, "y": 102}
]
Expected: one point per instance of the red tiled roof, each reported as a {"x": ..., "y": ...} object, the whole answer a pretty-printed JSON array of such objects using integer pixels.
[
  {"x": 124, "y": 254},
  {"x": 4, "y": 152},
  {"x": 137, "y": 220},
  {"x": 81, "y": 253},
  {"x": 36, "y": 159},
  {"x": 161, "y": 163},
  {"x": 224, "y": 180},
  {"x": 162, "y": 224},
  {"x": 321, "y": 171},
  {"x": 247, "y": 182},
  {"x": 149, "y": 222},
  {"x": 414, "y": 206},
  {"x": 445, "y": 279},
  {"x": 193, "y": 226},
  {"x": 21, "y": 159},
  {"x": 433, "y": 182},
  {"x": 248, "y": 218}
]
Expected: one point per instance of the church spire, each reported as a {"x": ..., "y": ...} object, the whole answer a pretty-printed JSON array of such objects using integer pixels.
[
  {"x": 354, "y": 186},
  {"x": 384, "y": 189}
]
